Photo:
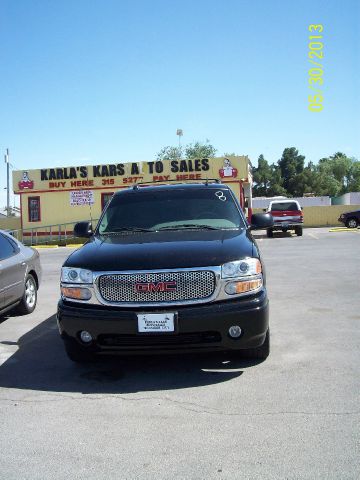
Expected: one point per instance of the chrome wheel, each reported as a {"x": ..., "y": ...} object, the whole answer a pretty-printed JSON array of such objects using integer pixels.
[
  {"x": 352, "y": 223},
  {"x": 29, "y": 298},
  {"x": 30, "y": 293}
]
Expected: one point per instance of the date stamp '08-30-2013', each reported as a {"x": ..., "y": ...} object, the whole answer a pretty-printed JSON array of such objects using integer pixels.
[{"x": 315, "y": 56}]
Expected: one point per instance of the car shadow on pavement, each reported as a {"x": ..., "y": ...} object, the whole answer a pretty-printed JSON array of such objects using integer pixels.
[
  {"x": 40, "y": 363},
  {"x": 279, "y": 234}
]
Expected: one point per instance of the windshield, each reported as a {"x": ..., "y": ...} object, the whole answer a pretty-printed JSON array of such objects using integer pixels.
[{"x": 171, "y": 209}]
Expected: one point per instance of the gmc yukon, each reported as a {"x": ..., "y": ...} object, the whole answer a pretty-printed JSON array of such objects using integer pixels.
[{"x": 168, "y": 268}]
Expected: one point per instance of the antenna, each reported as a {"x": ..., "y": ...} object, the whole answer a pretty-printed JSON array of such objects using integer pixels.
[
  {"x": 87, "y": 179},
  {"x": 7, "y": 183}
]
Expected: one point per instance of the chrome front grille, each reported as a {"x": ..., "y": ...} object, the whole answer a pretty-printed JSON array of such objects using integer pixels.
[{"x": 124, "y": 287}]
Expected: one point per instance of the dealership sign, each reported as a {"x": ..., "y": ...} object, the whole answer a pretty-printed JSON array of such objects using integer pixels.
[
  {"x": 81, "y": 197},
  {"x": 117, "y": 175}
]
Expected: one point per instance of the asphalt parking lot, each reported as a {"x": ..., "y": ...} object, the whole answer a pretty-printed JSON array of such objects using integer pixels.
[{"x": 294, "y": 416}]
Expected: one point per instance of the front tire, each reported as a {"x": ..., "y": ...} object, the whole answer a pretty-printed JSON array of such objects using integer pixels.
[
  {"x": 351, "y": 223},
  {"x": 258, "y": 353},
  {"x": 29, "y": 299}
]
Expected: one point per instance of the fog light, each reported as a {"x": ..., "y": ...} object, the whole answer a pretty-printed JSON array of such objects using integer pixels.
[
  {"x": 235, "y": 331},
  {"x": 85, "y": 336}
]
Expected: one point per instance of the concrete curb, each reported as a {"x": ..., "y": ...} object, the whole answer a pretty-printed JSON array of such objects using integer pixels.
[
  {"x": 77, "y": 245},
  {"x": 344, "y": 229}
]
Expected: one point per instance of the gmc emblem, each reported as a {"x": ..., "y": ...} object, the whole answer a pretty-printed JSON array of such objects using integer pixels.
[{"x": 142, "y": 287}]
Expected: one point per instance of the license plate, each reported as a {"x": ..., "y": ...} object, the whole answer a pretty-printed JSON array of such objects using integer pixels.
[{"x": 156, "y": 322}]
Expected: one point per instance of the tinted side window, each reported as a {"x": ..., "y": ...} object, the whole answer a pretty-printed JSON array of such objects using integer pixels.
[
  {"x": 284, "y": 206},
  {"x": 6, "y": 248}
]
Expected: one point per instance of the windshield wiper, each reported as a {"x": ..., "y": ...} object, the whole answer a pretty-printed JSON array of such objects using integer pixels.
[
  {"x": 127, "y": 229},
  {"x": 193, "y": 226}
]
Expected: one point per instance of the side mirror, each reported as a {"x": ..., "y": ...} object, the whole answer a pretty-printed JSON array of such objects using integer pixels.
[
  {"x": 83, "y": 229},
  {"x": 264, "y": 209},
  {"x": 261, "y": 221}
]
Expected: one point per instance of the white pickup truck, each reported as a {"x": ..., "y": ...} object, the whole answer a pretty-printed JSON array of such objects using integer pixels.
[{"x": 287, "y": 215}]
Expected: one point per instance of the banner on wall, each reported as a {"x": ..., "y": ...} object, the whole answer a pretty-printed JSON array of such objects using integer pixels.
[
  {"x": 81, "y": 197},
  {"x": 119, "y": 175}
]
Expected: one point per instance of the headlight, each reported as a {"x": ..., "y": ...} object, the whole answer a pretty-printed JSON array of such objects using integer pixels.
[
  {"x": 76, "y": 275},
  {"x": 241, "y": 268}
]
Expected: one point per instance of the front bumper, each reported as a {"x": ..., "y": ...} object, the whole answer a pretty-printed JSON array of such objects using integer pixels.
[{"x": 198, "y": 327}]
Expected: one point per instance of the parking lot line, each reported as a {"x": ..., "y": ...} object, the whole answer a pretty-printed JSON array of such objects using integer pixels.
[{"x": 313, "y": 236}]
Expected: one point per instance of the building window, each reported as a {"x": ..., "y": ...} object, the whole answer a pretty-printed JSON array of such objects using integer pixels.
[
  {"x": 105, "y": 197},
  {"x": 34, "y": 209}
]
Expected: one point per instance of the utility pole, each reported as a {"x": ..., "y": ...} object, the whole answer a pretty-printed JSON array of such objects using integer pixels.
[
  {"x": 7, "y": 182},
  {"x": 180, "y": 133}
]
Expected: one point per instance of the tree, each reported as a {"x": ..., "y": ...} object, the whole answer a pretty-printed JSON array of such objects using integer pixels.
[
  {"x": 339, "y": 168},
  {"x": 325, "y": 184},
  {"x": 191, "y": 150},
  {"x": 276, "y": 185},
  {"x": 262, "y": 176},
  {"x": 354, "y": 181},
  {"x": 302, "y": 183},
  {"x": 169, "y": 153},
  {"x": 200, "y": 150},
  {"x": 291, "y": 165}
]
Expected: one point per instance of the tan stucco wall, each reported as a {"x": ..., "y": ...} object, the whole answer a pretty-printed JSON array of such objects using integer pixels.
[
  {"x": 56, "y": 209},
  {"x": 11, "y": 223},
  {"x": 323, "y": 216}
]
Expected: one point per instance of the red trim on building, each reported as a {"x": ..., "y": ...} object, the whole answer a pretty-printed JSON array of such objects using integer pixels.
[{"x": 54, "y": 233}]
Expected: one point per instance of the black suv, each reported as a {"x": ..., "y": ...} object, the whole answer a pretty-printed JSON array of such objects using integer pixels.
[
  {"x": 168, "y": 268},
  {"x": 350, "y": 219}
]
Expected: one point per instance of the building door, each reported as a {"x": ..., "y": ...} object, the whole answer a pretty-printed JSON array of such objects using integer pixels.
[{"x": 34, "y": 209}]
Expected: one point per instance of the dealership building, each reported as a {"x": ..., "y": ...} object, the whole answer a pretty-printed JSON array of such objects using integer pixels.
[{"x": 56, "y": 198}]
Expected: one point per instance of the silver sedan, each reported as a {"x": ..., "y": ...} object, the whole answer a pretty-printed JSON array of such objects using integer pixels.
[{"x": 20, "y": 275}]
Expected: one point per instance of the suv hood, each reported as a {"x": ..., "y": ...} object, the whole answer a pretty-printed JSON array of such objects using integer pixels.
[{"x": 163, "y": 250}]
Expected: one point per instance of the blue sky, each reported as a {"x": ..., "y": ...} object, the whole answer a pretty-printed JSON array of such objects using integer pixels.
[{"x": 110, "y": 81}]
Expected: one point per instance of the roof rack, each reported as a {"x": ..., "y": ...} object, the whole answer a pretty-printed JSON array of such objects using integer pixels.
[{"x": 164, "y": 182}]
